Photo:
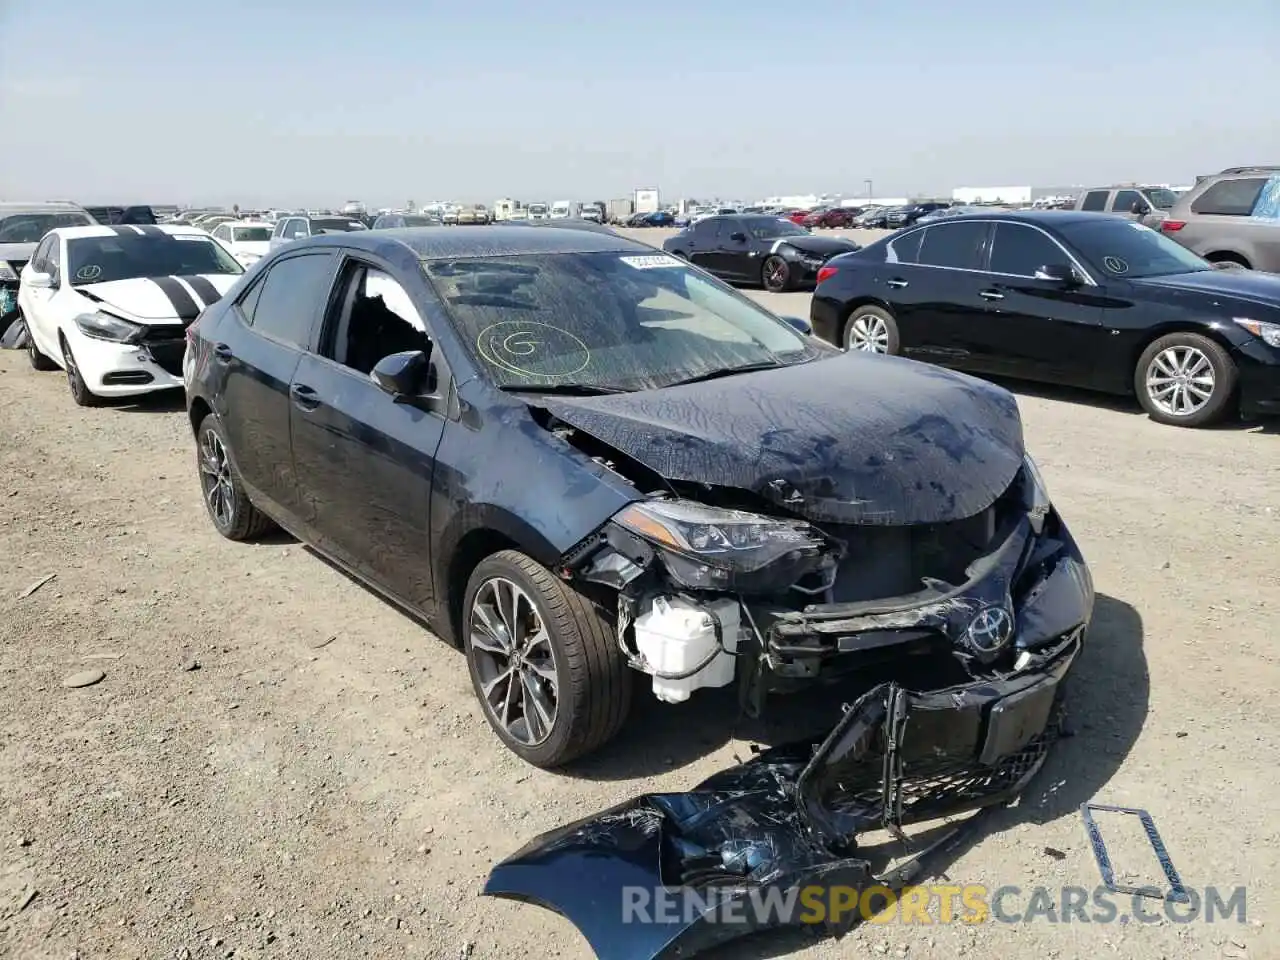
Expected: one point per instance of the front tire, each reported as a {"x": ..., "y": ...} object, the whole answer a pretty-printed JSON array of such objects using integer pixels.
[
  {"x": 34, "y": 354},
  {"x": 775, "y": 274},
  {"x": 233, "y": 514},
  {"x": 80, "y": 391},
  {"x": 544, "y": 661},
  {"x": 870, "y": 329},
  {"x": 1185, "y": 380}
]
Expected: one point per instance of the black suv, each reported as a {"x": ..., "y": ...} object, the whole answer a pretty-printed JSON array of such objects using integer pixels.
[{"x": 576, "y": 456}]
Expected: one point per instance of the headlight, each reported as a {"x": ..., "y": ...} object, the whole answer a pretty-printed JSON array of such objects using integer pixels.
[
  {"x": 1038, "y": 502},
  {"x": 711, "y": 548},
  {"x": 6, "y": 271},
  {"x": 103, "y": 326},
  {"x": 1269, "y": 333}
]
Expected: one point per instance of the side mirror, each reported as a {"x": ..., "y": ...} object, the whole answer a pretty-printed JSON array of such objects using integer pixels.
[
  {"x": 799, "y": 324},
  {"x": 1140, "y": 209},
  {"x": 739, "y": 236},
  {"x": 405, "y": 376},
  {"x": 1059, "y": 273},
  {"x": 34, "y": 278}
]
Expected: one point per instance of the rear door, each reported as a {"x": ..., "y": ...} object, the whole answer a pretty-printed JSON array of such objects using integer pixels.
[
  {"x": 255, "y": 351},
  {"x": 1033, "y": 328},
  {"x": 934, "y": 290},
  {"x": 365, "y": 462}
]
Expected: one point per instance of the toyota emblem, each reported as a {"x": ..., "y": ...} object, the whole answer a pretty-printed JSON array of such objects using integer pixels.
[{"x": 990, "y": 630}]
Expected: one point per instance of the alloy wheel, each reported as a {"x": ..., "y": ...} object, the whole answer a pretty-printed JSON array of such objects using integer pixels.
[
  {"x": 1180, "y": 381},
  {"x": 215, "y": 480},
  {"x": 514, "y": 660},
  {"x": 868, "y": 333}
]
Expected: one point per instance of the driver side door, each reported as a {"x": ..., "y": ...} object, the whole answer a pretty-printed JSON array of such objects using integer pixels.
[{"x": 365, "y": 463}]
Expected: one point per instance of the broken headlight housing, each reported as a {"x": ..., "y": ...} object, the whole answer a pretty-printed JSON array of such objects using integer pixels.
[
  {"x": 714, "y": 548},
  {"x": 1038, "y": 502},
  {"x": 103, "y": 326}
]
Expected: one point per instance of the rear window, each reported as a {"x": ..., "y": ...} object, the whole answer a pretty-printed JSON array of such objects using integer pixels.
[
  {"x": 1230, "y": 198},
  {"x": 31, "y": 227},
  {"x": 342, "y": 226}
]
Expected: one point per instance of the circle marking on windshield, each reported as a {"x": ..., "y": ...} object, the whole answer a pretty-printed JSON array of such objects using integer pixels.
[
  {"x": 90, "y": 271},
  {"x": 511, "y": 343},
  {"x": 1115, "y": 265}
]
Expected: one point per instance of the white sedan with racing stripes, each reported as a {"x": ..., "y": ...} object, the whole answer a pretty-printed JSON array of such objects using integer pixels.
[{"x": 110, "y": 305}]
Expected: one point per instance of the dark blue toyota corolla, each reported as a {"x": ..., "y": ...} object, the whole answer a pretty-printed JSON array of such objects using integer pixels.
[{"x": 579, "y": 458}]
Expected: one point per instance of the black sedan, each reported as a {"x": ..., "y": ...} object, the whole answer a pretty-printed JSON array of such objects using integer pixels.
[
  {"x": 576, "y": 456},
  {"x": 1083, "y": 299},
  {"x": 756, "y": 249}
]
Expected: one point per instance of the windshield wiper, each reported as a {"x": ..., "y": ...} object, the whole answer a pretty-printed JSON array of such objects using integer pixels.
[
  {"x": 727, "y": 372},
  {"x": 564, "y": 389}
]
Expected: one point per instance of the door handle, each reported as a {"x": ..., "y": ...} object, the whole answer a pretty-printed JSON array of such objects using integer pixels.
[
  {"x": 991, "y": 295},
  {"x": 222, "y": 352},
  {"x": 897, "y": 283},
  {"x": 304, "y": 396}
]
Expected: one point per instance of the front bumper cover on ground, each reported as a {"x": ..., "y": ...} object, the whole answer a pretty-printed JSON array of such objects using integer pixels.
[{"x": 787, "y": 820}]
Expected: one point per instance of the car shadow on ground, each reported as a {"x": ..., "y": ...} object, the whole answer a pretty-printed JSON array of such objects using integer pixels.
[
  {"x": 1109, "y": 693},
  {"x": 1119, "y": 404},
  {"x": 162, "y": 401}
]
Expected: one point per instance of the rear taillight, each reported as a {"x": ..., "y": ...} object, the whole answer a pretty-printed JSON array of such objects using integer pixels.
[
  {"x": 1172, "y": 226},
  {"x": 826, "y": 273}
]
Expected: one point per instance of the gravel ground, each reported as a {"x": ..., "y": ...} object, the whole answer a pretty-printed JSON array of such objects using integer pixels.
[{"x": 278, "y": 764}]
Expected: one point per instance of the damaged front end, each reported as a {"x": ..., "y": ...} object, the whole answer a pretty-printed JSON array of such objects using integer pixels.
[
  {"x": 709, "y": 594},
  {"x": 773, "y": 842}
]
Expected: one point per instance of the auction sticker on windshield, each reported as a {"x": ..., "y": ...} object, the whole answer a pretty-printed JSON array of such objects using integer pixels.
[{"x": 652, "y": 262}]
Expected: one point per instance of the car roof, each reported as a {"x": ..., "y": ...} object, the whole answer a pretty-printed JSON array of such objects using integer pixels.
[
  {"x": 435, "y": 243},
  {"x": 39, "y": 206},
  {"x": 1036, "y": 217},
  {"x": 101, "y": 230}
]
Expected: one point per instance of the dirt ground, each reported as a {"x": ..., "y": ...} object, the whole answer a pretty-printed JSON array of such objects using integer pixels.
[{"x": 278, "y": 764}]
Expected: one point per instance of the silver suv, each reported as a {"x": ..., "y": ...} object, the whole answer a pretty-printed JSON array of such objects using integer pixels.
[
  {"x": 1148, "y": 205},
  {"x": 1231, "y": 217}
]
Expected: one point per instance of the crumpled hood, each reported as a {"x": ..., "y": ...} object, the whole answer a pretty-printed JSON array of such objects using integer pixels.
[
  {"x": 856, "y": 438},
  {"x": 823, "y": 246},
  {"x": 160, "y": 298}
]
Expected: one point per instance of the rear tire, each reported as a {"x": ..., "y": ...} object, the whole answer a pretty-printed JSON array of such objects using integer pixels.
[
  {"x": 1173, "y": 374},
  {"x": 592, "y": 683},
  {"x": 34, "y": 354},
  {"x": 229, "y": 507},
  {"x": 871, "y": 329}
]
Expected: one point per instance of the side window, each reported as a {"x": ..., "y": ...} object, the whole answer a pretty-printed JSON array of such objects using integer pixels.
[
  {"x": 375, "y": 317},
  {"x": 1124, "y": 201},
  {"x": 292, "y": 294},
  {"x": 905, "y": 249},
  {"x": 957, "y": 245},
  {"x": 1020, "y": 250},
  {"x": 1095, "y": 200},
  {"x": 1230, "y": 198}
]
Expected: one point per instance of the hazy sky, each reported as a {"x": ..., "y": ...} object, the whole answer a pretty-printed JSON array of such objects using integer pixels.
[{"x": 319, "y": 102}]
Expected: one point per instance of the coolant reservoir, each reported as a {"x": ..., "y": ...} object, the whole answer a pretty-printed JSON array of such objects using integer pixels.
[{"x": 674, "y": 636}]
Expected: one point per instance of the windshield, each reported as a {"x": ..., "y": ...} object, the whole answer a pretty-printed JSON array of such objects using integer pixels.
[
  {"x": 767, "y": 228},
  {"x": 31, "y": 227},
  {"x": 319, "y": 224},
  {"x": 606, "y": 321},
  {"x": 1160, "y": 198},
  {"x": 102, "y": 259},
  {"x": 1130, "y": 250},
  {"x": 251, "y": 234}
]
